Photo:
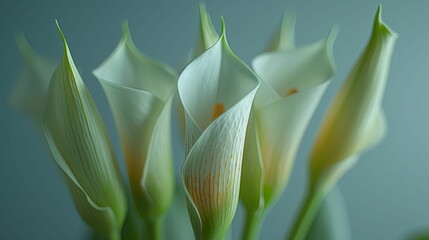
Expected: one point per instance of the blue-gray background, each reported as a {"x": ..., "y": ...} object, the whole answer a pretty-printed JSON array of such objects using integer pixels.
[{"x": 387, "y": 193}]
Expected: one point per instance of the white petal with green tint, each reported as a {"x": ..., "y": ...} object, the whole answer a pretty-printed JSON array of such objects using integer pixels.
[
  {"x": 288, "y": 72},
  {"x": 217, "y": 91},
  {"x": 140, "y": 91},
  {"x": 298, "y": 78},
  {"x": 207, "y": 37},
  {"x": 81, "y": 147},
  {"x": 281, "y": 127},
  {"x": 29, "y": 92}
]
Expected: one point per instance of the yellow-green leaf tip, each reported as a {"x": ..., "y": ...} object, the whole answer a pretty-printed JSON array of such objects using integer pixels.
[{"x": 380, "y": 26}]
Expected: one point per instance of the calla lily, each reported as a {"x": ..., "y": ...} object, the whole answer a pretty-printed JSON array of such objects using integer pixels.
[
  {"x": 353, "y": 124},
  {"x": 29, "y": 93},
  {"x": 292, "y": 84},
  {"x": 140, "y": 92},
  {"x": 81, "y": 147},
  {"x": 217, "y": 91}
]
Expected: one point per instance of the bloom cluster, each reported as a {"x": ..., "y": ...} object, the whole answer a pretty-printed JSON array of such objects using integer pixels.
[{"x": 242, "y": 127}]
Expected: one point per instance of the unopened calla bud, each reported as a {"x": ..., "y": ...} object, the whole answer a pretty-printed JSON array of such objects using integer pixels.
[
  {"x": 353, "y": 124},
  {"x": 81, "y": 147},
  {"x": 355, "y": 120}
]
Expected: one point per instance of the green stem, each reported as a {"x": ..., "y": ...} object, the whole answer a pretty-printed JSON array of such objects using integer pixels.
[
  {"x": 253, "y": 224},
  {"x": 307, "y": 214},
  {"x": 116, "y": 235},
  {"x": 155, "y": 228}
]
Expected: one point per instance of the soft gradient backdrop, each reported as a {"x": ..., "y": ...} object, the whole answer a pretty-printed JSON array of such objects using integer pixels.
[{"x": 387, "y": 193}]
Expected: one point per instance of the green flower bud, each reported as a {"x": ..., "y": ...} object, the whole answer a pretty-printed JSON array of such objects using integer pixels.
[
  {"x": 355, "y": 121},
  {"x": 81, "y": 147}
]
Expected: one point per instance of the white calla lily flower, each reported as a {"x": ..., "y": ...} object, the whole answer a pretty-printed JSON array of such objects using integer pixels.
[
  {"x": 81, "y": 147},
  {"x": 353, "y": 124},
  {"x": 217, "y": 91},
  {"x": 293, "y": 83},
  {"x": 140, "y": 92}
]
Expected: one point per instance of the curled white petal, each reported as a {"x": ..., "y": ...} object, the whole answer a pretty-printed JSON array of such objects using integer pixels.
[{"x": 140, "y": 92}]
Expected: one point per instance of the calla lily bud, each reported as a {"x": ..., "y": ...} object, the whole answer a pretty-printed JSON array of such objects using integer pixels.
[
  {"x": 355, "y": 121},
  {"x": 217, "y": 91},
  {"x": 353, "y": 124},
  {"x": 140, "y": 92},
  {"x": 29, "y": 92},
  {"x": 293, "y": 83},
  {"x": 81, "y": 147}
]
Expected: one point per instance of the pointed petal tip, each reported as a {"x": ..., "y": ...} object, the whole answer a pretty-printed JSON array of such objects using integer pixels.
[
  {"x": 203, "y": 9},
  {"x": 329, "y": 46},
  {"x": 125, "y": 29},
  {"x": 289, "y": 18},
  {"x": 380, "y": 26},
  {"x": 208, "y": 35},
  {"x": 331, "y": 38},
  {"x": 63, "y": 38},
  {"x": 205, "y": 19},
  {"x": 332, "y": 35},
  {"x": 378, "y": 13},
  {"x": 21, "y": 41},
  {"x": 23, "y": 45},
  {"x": 223, "y": 37},
  {"x": 127, "y": 39},
  {"x": 60, "y": 31},
  {"x": 223, "y": 31},
  {"x": 289, "y": 21},
  {"x": 126, "y": 35}
]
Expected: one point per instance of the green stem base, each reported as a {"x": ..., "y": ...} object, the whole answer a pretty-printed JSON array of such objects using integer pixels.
[
  {"x": 307, "y": 214},
  {"x": 253, "y": 224},
  {"x": 155, "y": 228}
]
